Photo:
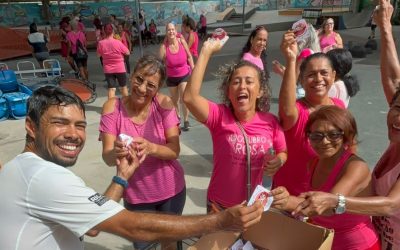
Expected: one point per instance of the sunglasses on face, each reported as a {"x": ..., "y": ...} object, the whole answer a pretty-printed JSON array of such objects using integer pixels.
[{"x": 330, "y": 136}]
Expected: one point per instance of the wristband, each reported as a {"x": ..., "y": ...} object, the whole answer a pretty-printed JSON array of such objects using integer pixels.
[{"x": 120, "y": 181}]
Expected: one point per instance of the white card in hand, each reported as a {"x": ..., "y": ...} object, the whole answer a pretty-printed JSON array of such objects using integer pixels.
[
  {"x": 126, "y": 139},
  {"x": 261, "y": 194}
]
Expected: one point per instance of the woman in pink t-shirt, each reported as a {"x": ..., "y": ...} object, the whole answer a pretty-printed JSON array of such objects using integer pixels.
[
  {"x": 316, "y": 76},
  {"x": 149, "y": 117},
  {"x": 384, "y": 200},
  {"x": 332, "y": 132},
  {"x": 255, "y": 48},
  {"x": 246, "y": 97},
  {"x": 112, "y": 51}
]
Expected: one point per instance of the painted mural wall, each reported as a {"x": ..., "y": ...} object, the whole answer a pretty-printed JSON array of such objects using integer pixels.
[{"x": 162, "y": 12}]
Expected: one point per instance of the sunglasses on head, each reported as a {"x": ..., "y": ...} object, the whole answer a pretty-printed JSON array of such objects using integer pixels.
[{"x": 334, "y": 135}]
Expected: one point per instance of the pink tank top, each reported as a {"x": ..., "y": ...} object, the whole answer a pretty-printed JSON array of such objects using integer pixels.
[
  {"x": 352, "y": 231},
  {"x": 387, "y": 226},
  {"x": 195, "y": 45},
  {"x": 293, "y": 174},
  {"x": 176, "y": 63},
  {"x": 325, "y": 41}
]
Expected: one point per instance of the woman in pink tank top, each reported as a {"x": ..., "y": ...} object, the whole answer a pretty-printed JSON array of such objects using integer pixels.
[
  {"x": 179, "y": 61},
  {"x": 332, "y": 133},
  {"x": 329, "y": 39},
  {"x": 316, "y": 76},
  {"x": 193, "y": 38},
  {"x": 384, "y": 200}
]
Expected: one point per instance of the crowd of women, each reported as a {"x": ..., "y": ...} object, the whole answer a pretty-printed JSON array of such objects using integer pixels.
[{"x": 309, "y": 150}]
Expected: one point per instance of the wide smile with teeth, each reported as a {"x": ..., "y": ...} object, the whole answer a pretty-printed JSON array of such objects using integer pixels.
[{"x": 68, "y": 147}]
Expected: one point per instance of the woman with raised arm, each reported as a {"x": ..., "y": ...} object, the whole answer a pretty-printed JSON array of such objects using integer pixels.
[
  {"x": 243, "y": 116},
  {"x": 384, "y": 203},
  {"x": 179, "y": 62},
  {"x": 316, "y": 76}
]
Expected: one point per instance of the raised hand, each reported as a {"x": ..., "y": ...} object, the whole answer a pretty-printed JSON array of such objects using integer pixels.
[
  {"x": 289, "y": 46},
  {"x": 211, "y": 46},
  {"x": 383, "y": 13},
  {"x": 240, "y": 217}
]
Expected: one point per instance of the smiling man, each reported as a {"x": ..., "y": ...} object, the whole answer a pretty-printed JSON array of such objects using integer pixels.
[{"x": 46, "y": 206}]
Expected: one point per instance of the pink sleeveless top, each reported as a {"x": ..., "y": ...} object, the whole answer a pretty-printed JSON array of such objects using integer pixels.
[
  {"x": 387, "y": 226},
  {"x": 325, "y": 41},
  {"x": 293, "y": 174},
  {"x": 155, "y": 179},
  {"x": 195, "y": 45},
  {"x": 177, "y": 64},
  {"x": 352, "y": 231}
]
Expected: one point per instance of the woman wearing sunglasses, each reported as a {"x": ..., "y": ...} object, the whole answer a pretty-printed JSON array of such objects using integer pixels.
[{"x": 336, "y": 169}]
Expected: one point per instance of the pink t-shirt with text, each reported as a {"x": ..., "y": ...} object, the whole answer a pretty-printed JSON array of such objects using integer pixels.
[
  {"x": 112, "y": 51},
  {"x": 229, "y": 177},
  {"x": 155, "y": 179},
  {"x": 293, "y": 174},
  {"x": 387, "y": 226},
  {"x": 254, "y": 60}
]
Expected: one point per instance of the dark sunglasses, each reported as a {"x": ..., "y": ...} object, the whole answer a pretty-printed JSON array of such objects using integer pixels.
[{"x": 330, "y": 136}]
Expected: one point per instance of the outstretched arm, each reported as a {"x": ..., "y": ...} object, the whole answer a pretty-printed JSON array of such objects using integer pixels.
[
  {"x": 152, "y": 227},
  {"x": 197, "y": 104},
  {"x": 288, "y": 112},
  {"x": 374, "y": 205},
  {"x": 390, "y": 68}
]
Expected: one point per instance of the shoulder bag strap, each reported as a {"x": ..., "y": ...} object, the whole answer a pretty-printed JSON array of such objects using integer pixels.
[{"x": 248, "y": 163}]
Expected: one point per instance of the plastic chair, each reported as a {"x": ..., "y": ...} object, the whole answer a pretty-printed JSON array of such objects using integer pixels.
[
  {"x": 27, "y": 70},
  {"x": 3, "y": 66},
  {"x": 52, "y": 67}
]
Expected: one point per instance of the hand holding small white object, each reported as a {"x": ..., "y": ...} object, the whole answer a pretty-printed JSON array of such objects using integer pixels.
[{"x": 263, "y": 195}]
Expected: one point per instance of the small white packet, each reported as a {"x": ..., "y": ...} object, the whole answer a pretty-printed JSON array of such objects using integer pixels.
[
  {"x": 221, "y": 35},
  {"x": 261, "y": 194},
  {"x": 126, "y": 139},
  {"x": 301, "y": 30},
  {"x": 238, "y": 245},
  {"x": 248, "y": 246}
]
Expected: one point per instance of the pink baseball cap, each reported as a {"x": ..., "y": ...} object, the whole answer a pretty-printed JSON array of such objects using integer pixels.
[{"x": 305, "y": 53}]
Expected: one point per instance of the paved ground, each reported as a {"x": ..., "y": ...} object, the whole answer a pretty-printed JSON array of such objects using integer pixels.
[{"x": 368, "y": 106}]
